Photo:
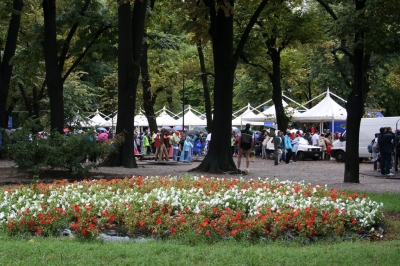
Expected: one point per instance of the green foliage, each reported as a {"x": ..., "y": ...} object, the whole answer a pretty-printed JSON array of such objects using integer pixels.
[{"x": 56, "y": 151}]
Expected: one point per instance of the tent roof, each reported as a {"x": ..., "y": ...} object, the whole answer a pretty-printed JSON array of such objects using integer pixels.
[
  {"x": 97, "y": 120},
  {"x": 192, "y": 119},
  {"x": 163, "y": 117},
  {"x": 246, "y": 117},
  {"x": 325, "y": 111},
  {"x": 140, "y": 120}
]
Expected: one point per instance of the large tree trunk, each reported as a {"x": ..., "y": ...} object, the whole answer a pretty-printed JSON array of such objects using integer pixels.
[
  {"x": 355, "y": 102},
  {"x": 130, "y": 37},
  {"x": 206, "y": 88},
  {"x": 53, "y": 72},
  {"x": 275, "y": 78},
  {"x": 9, "y": 51},
  {"x": 148, "y": 97},
  {"x": 219, "y": 157}
]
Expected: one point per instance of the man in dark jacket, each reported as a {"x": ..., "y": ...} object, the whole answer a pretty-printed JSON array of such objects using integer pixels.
[{"x": 385, "y": 142}]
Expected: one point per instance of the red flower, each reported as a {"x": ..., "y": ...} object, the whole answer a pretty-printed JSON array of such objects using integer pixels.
[
  {"x": 207, "y": 232},
  {"x": 159, "y": 221},
  {"x": 38, "y": 231}
]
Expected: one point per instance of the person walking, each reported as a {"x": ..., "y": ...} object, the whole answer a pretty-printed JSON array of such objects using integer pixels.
[{"x": 245, "y": 146}]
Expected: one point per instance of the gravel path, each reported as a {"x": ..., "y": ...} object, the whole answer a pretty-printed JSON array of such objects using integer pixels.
[
  {"x": 315, "y": 172},
  {"x": 328, "y": 173}
]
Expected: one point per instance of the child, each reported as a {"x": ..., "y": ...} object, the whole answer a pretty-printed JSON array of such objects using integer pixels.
[{"x": 197, "y": 147}]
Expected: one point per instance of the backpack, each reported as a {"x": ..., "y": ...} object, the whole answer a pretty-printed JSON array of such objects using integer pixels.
[
  {"x": 370, "y": 146},
  {"x": 375, "y": 147}
]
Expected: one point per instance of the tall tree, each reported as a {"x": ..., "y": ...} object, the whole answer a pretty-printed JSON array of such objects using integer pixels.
[
  {"x": 130, "y": 38},
  {"x": 6, "y": 67},
  {"x": 53, "y": 71},
  {"x": 219, "y": 158},
  {"x": 364, "y": 27}
]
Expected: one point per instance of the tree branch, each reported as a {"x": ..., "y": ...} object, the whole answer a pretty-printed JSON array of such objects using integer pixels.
[
  {"x": 82, "y": 55},
  {"x": 71, "y": 33},
  {"x": 245, "y": 35},
  {"x": 244, "y": 58},
  {"x": 328, "y": 9}
]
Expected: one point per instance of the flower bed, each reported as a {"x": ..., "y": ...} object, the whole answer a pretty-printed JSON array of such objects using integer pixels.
[{"x": 168, "y": 206}]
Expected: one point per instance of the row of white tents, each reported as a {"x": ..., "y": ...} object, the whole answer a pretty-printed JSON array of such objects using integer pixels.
[{"x": 327, "y": 110}]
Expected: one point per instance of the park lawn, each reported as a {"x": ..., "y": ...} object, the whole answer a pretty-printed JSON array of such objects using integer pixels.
[{"x": 53, "y": 251}]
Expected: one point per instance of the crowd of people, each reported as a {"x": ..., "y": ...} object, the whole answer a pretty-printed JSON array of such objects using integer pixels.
[
  {"x": 287, "y": 144},
  {"x": 385, "y": 150},
  {"x": 174, "y": 144}
]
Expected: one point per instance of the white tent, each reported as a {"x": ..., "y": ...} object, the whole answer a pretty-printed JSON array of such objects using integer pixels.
[
  {"x": 140, "y": 120},
  {"x": 193, "y": 120},
  {"x": 97, "y": 120},
  {"x": 163, "y": 117},
  {"x": 246, "y": 117},
  {"x": 325, "y": 111}
]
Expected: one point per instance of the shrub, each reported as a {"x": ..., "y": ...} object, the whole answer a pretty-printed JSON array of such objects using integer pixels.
[{"x": 57, "y": 151}]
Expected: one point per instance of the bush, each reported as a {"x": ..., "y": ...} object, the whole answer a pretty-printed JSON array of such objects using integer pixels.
[{"x": 57, "y": 151}]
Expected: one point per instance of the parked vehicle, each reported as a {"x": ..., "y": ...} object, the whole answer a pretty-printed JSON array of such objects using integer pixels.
[
  {"x": 368, "y": 128},
  {"x": 304, "y": 151}
]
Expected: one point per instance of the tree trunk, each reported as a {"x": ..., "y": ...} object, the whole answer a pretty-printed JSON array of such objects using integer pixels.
[
  {"x": 355, "y": 102},
  {"x": 148, "y": 97},
  {"x": 9, "y": 51},
  {"x": 219, "y": 158},
  {"x": 53, "y": 72},
  {"x": 275, "y": 78},
  {"x": 206, "y": 88},
  {"x": 130, "y": 37}
]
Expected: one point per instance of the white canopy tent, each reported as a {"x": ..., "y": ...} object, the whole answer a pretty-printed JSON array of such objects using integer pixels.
[
  {"x": 245, "y": 116},
  {"x": 140, "y": 120},
  {"x": 325, "y": 111},
  {"x": 97, "y": 120},
  {"x": 269, "y": 114},
  {"x": 163, "y": 117},
  {"x": 191, "y": 119}
]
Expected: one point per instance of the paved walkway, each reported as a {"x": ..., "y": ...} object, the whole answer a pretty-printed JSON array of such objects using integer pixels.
[{"x": 328, "y": 173}]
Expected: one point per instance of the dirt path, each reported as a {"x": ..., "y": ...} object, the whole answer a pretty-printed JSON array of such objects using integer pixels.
[{"x": 328, "y": 173}]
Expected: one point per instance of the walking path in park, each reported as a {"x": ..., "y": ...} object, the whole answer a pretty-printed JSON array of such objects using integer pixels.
[{"x": 330, "y": 173}]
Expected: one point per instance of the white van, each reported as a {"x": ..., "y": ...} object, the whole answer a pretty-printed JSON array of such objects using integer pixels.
[{"x": 368, "y": 128}]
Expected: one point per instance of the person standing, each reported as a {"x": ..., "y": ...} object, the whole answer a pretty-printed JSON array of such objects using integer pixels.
[
  {"x": 314, "y": 138},
  {"x": 174, "y": 140},
  {"x": 295, "y": 146},
  {"x": 264, "y": 144},
  {"x": 246, "y": 143},
  {"x": 288, "y": 146},
  {"x": 376, "y": 157},
  {"x": 385, "y": 142},
  {"x": 186, "y": 150},
  {"x": 146, "y": 144}
]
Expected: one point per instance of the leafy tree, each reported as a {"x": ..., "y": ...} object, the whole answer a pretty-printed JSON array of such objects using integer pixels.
[
  {"x": 130, "y": 38},
  {"x": 364, "y": 27},
  {"x": 6, "y": 67},
  {"x": 219, "y": 159}
]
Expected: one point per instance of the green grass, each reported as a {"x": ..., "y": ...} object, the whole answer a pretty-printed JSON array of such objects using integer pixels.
[
  {"x": 53, "y": 251},
  {"x": 390, "y": 200}
]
